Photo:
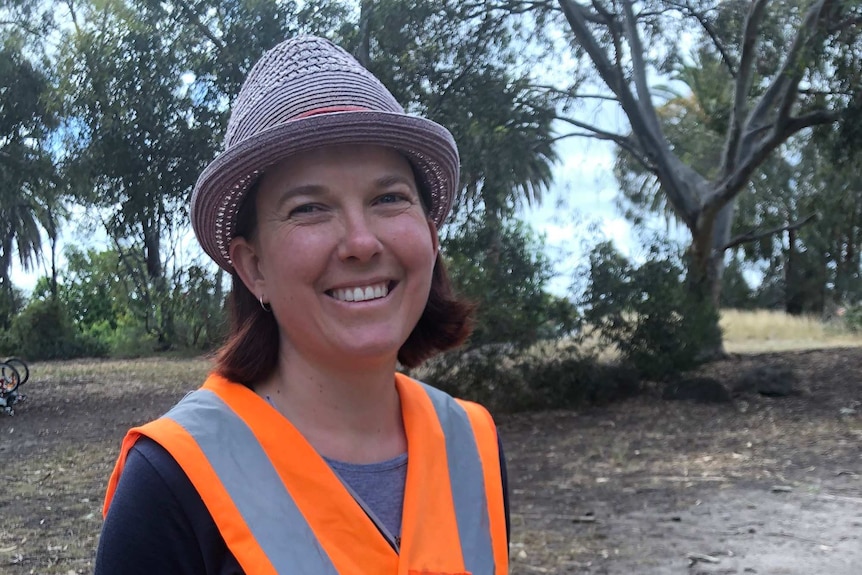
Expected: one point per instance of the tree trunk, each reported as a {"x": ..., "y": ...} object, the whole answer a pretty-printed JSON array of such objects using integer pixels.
[
  {"x": 363, "y": 49},
  {"x": 792, "y": 299},
  {"x": 156, "y": 278},
  {"x": 52, "y": 236},
  {"x": 705, "y": 271}
]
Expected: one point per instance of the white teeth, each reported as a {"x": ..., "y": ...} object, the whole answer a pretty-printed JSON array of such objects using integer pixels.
[{"x": 361, "y": 294}]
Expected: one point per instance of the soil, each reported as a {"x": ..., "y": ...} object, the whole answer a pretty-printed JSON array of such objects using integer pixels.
[{"x": 760, "y": 484}]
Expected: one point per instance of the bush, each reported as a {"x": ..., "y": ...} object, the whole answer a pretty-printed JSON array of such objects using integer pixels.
[
  {"x": 853, "y": 318},
  {"x": 131, "y": 339},
  {"x": 43, "y": 330},
  {"x": 647, "y": 312},
  {"x": 505, "y": 271}
]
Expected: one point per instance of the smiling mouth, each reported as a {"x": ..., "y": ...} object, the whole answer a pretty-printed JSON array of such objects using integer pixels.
[{"x": 358, "y": 294}]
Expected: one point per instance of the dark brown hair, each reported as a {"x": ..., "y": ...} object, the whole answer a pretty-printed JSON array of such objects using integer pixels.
[{"x": 250, "y": 353}]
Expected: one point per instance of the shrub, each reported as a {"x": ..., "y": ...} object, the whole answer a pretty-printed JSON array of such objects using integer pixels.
[
  {"x": 505, "y": 271},
  {"x": 43, "y": 330},
  {"x": 853, "y": 318},
  {"x": 131, "y": 339},
  {"x": 647, "y": 312}
]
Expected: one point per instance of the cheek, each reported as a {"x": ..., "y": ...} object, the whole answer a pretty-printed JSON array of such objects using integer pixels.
[{"x": 297, "y": 252}]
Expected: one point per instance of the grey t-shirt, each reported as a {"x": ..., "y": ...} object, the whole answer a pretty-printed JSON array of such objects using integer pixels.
[{"x": 379, "y": 485}]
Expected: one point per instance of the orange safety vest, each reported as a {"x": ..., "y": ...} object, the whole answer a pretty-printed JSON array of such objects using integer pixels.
[{"x": 282, "y": 510}]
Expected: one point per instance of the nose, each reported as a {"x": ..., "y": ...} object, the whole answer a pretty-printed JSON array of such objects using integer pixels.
[{"x": 359, "y": 241}]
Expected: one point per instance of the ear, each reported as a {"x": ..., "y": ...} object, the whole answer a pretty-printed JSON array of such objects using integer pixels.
[
  {"x": 435, "y": 240},
  {"x": 243, "y": 254}
]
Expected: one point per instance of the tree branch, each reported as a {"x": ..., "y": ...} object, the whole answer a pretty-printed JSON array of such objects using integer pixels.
[
  {"x": 610, "y": 74},
  {"x": 754, "y": 235},
  {"x": 571, "y": 95},
  {"x": 605, "y": 135},
  {"x": 713, "y": 35},
  {"x": 644, "y": 99},
  {"x": 679, "y": 181},
  {"x": 787, "y": 79},
  {"x": 733, "y": 184},
  {"x": 743, "y": 85},
  {"x": 623, "y": 142},
  {"x": 818, "y": 118},
  {"x": 196, "y": 21}
]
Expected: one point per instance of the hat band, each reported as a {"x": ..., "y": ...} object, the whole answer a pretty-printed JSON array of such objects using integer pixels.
[{"x": 331, "y": 110}]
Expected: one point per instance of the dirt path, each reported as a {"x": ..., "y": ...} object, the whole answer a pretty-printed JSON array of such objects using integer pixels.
[
  {"x": 644, "y": 486},
  {"x": 762, "y": 485}
]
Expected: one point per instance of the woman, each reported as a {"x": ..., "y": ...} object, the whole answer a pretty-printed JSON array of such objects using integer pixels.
[{"x": 302, "y": 453}]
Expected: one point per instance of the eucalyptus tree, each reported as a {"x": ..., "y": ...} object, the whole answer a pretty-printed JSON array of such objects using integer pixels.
[
  {"x": 793, "y": 65},
  {"x": 797, "y": 215}
]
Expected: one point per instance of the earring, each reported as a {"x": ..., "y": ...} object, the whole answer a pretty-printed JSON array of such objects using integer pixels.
[{"x": 264, "y": 306}]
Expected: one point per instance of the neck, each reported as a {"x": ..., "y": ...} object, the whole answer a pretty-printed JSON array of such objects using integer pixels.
[{"x": 350, "y": 415}]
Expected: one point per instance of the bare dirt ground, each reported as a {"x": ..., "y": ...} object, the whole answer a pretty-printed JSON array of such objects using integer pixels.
[{"x": 644, "y": 486}]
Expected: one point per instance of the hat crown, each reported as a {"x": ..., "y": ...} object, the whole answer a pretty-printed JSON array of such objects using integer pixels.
[{"x": 300, "y": 77}]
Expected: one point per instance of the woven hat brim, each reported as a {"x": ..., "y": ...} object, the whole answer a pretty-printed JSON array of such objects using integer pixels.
[{"x": 224, "y": 183}]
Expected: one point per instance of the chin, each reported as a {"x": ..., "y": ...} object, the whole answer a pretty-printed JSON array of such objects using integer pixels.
[{"x": 369, "y": 350}]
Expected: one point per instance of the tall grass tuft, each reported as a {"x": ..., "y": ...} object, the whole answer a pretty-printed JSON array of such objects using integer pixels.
[{"x": 768, "y": 330}]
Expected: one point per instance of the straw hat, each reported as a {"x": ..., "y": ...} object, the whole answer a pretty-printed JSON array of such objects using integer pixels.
[{"x": 308, "y": 93}]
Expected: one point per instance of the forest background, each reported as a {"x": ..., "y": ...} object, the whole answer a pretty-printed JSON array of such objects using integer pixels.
[{"x": 737, "y": 123}]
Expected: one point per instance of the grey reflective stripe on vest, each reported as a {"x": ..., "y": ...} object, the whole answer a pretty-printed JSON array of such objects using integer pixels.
[
  {"x": 468, "y": 483},
  {"x": 252, "y": 483}
]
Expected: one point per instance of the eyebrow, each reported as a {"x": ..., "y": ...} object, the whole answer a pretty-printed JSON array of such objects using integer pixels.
[{"x": 393, "y": 179}]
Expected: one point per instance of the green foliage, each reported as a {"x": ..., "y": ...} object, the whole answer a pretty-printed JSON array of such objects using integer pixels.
[
  {"x": 12, "y": 301},
  {"x": 44, "y": 330},
  {"x": 107, "y": 307},
  {"x": 853, "y": 318},
  {"x": 26, "y": 166},
  {"x": 507, "y": 280},
  {"x": 198, "y": 303},
  {"x": 648, "y": 312},
  {"x": 129, "y": 338}
]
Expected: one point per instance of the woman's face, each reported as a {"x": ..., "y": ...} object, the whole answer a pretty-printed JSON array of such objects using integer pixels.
[{"x": 343, "y": 252}]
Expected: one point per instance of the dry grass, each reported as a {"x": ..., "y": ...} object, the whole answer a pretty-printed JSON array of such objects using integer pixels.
[{"x": 762, "y": 331}]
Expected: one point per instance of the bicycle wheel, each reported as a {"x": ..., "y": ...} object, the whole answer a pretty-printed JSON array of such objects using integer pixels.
[
  {"x": 20, "y": 367},
  {"x": 9, "y": 379}
]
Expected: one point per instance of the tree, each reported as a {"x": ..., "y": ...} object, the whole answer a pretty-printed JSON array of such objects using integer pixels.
[
  {"x": 781, "y": 58},
  {"x": 26, "y": 165},
  {"x": 803, "y": 182}
]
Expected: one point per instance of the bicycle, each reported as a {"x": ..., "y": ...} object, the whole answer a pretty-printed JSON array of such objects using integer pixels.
[
  {"x": 20, "y": 367},
  {"x": 10, "y": 379}
]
